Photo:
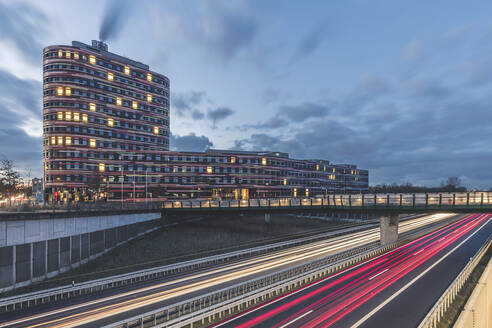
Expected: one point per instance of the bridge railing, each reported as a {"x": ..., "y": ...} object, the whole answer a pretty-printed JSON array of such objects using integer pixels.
[{"x": 446, "y": 200}]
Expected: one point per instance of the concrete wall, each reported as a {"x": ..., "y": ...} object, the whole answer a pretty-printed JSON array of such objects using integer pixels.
[
  {"x": 478, "y": 309},
  {"x": 32, "y": 250}
]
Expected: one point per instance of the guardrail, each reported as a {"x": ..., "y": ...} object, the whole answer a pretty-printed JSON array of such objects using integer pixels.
[
  {"x": 68, "y": 291},
  {"x": 435, "y": 315},
  {"x": 351, "y": 202},
  {"x": 206, "y": 309}
]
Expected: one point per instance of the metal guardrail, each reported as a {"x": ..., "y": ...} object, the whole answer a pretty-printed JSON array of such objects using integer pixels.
[
  {"x": 68, "y": 291},
  {"x": 351, "y": 202},
  {"x": 213, "y": 306},
  {"x": 435, "y": 315}
]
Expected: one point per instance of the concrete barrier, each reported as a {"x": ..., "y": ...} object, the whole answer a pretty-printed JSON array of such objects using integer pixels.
[
  {"x": 477, "y": 312},
  {"x": 34, "y": 249}
]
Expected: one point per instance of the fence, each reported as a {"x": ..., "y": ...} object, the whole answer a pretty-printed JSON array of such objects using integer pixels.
[{"x": 435, "y": 315}]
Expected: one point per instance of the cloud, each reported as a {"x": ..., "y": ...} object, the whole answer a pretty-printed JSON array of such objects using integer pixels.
[
  {"x": 413, "y": 53},
  {"x": 190, "y": 142},
  {"x": 219, "y": 114},
  {"x": 303, "y": 111},
  {"x": 186, "y": 102},
  {"x": 309, "y": 43},
  {"x": 22, "y": 25}
]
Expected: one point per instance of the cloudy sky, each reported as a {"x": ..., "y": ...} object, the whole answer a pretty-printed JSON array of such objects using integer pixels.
[{"x": 402, "y": 88}]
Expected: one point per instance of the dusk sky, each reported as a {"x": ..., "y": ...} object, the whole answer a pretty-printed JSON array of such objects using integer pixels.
[{"x": 402, "y": 88}]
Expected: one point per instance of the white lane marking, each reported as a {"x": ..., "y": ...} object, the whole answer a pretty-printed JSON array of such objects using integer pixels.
[
  {"x": 378, "y": 274},
  {"x": 395, "y": 295},
  {"x": 419, "y": 251},
  {"x": 299, "y": 317}
]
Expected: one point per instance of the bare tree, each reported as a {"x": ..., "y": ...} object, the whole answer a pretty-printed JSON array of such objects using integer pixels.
[{"x": 10, "y": 178}]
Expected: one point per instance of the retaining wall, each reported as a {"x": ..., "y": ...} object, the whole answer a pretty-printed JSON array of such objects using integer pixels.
[{"x": 34, "y": 249}]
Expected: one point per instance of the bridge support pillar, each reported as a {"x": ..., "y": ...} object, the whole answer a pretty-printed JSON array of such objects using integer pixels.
[
  {"x": 267, "y": 217},
  {"x": 388, "y": 227}
]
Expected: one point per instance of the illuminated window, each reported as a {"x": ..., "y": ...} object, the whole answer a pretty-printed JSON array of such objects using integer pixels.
[
  {"x": 333, "y": 170},
  {"x": 53, "y": 140},
  {"x": 285, "y": 182},
  {"x": 134, "y": 104},
  {"x": 110, "y": 77},
  {"x": 118, "y": 101},
  {"x": 149, "y": 98},
  {"x": 76, "y": 55},
  {"x": 92, "y": 107},
  {"x": 76, "y": 116},
  {"x": 295, "y": 192},
  {"x": 156, "y": 130},
  {"x": 68, "y": 116},
  {"x": 324, "y": 168},
  {"x": 92, "y": 59},
  {"x": 149, "y": 77},
  {"x": 102, "y": 167},
  {"x": 60, "y": 53},
  {"x": 209, "y": 169},
  {"x": 59, "y": 91},
  {"x": 110, "y": 122},
  {"x": 59, "y": 116},
  {"x": 92, "y": 143},
  {"x": 127, "y": 70},
  {"x": 233, "y": 159},
  {"x": 317, "y": 167},
  {"x": 68, "y": 91},
  {"x": 264, "y": 161},
  {"x": 67, "y": 54},
  {"x": 60, "y": 140},
  {"x": 84, "y": 118},
  {"x": 68, "y": 141},
  {"x": 307, "y": 192}
]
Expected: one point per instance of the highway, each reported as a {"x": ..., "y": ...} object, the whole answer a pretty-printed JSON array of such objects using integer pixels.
[
  {"x": 117, "y": 304},
  {"x": 396, "y": 289}
]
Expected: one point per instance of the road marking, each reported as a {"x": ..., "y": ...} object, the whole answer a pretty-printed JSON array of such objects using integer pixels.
[
  {"x": 378, "y": 274},
  {"x": 392, "y": 297},
  {"x": 299, "y": 317}
]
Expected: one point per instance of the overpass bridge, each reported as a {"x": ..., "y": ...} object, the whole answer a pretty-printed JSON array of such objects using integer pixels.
[{"x": 388, "y": 206}]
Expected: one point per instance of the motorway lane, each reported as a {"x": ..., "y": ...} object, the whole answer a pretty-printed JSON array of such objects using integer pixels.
[
  {"x": 95, "y": 312},
  {"x": 343, "y": 299}
]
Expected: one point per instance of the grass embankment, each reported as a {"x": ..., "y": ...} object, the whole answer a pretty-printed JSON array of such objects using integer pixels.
[
  {"x": 452, "y": 314},
  {"x": 184, "y": 241}
]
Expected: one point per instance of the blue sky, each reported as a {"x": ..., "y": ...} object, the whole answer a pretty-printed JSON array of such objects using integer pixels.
[{"x": 402, "y": 88}]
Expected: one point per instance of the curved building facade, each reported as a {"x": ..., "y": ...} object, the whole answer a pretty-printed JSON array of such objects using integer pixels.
[{"x": 106, "y": 135}]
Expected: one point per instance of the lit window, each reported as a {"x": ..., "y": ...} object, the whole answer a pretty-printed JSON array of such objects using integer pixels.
[
  {"x": 110, "y": 122},
  {"x": 156, "y": 130},
  {"x": 59, "y": 91},
  {"x": 285, "y": 182},
  {"x": 60, "y": 140},
  {"x": 59, "y": 116},
  {"x": 67, "y": 54},
  {"x": 110, "y": 77},
  {"x": 264, "y": 161},
  {"x": 333, "y": 170},
  {"x": 68, "y": 116},
  {"x": 84, "y": 118},
  {"x": 92, "y": 59},
  {"x": 92, "y": 143},
  {"x": 149, "y": 98},
  {"x": 127, "y": 70},
  {"x": 295, "y": 192},
  {"x": 68, "y": 91},
  {"x": 118, "y": 101},
  {"x": 307, "y": 192},
  {"x": 209, "y": 169},
  {"x": 53, "y": 140},
  {"x": 134, "y": 104},
  {"x": 102, "y": 167},
  {"x": 76, "y": 116},
  {"x": 68, "y": 141},
  {"x": 76, "y": 55},
  {"x": 92, "y": 107},
  {"x": 60, "y": 53},
  {"x": 149, "y": 77},
  {"x": 233, "y": 159},
  {"x": 317, "y": 167}
]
